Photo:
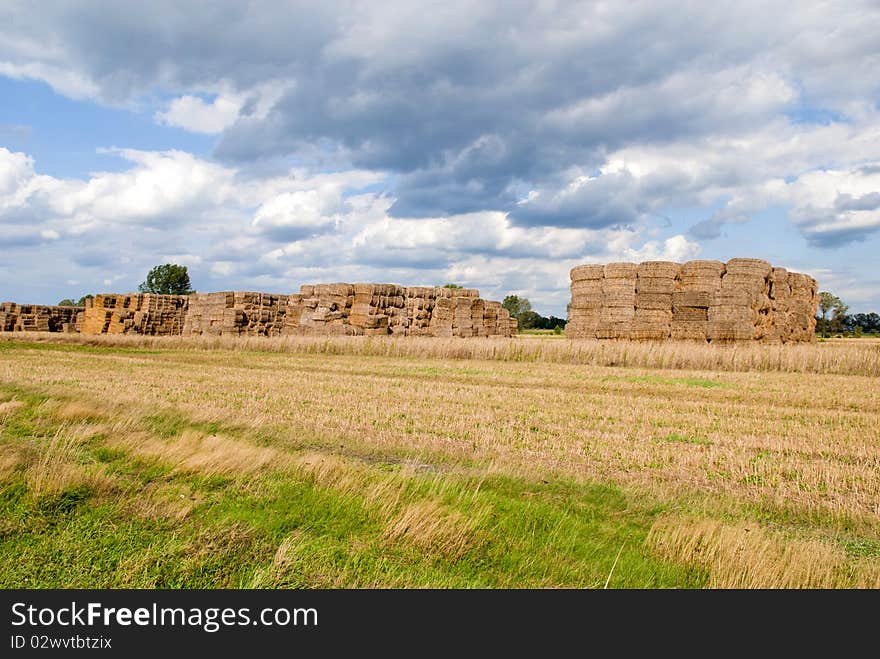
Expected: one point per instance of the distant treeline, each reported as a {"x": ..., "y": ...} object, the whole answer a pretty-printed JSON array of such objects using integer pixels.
[{"x": 858, "y": 324}]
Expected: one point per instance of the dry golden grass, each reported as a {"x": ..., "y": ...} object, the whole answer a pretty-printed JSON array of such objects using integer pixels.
[
  {"x": 197, "y": 452},
  {"x": 431, "y": 526},
  {"x": 8, "y": 407},
  {"x": 800, "y": 438},
  {"x": 749, "y": 556},
  {"x": 842, "y": 356},
  {"x": 53, "y": 466}
]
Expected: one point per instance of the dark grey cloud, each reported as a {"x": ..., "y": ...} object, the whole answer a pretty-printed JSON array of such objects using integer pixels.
[
  {"x": 839, "y": 236},
  {"x": 865, "y": 202},
  {"x": 19, "y": 237},
  {"x": 471, "y": 106}
]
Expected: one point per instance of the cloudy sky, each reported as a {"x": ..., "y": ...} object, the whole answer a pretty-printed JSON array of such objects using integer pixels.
[{"x": 492, "y": 144}]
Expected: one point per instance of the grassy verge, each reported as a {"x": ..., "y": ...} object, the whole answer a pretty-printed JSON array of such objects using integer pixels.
[{"x": 91, "y": 500}]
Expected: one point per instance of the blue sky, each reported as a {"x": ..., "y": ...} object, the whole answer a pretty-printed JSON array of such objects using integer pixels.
[{"x": 496, "y": 145}]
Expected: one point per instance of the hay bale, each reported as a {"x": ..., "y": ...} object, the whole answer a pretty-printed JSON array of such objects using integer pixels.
[
  {"x": 586, "y": 287},
  {"x": 722, "y": 331},
  {"x": 621, "y": 270},
  {"x": 690, "y": 314},
  {"x": 658, "y": 269},
  {"x": 653, "y": 316},
  {"x": 587, "y": 302},
  {"x": 614, "y": 330},
  {"x": 691, "y": 299},
  {"x": 649, "y": 333},
  {"x": 620, "y": 286},
  {"x": 621, "y": 314},
  {"x": 702, "y": 268},
  {"x": 748, "y": 267},
  {"x": 685, "y": 330},
  {"x": 654, "y": 301},
  {"x": 587, "y": 272},
  {"x": 656, "y": 285}
]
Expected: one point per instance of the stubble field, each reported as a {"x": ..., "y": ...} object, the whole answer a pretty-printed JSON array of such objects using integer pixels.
[{"x": 532, "y": 462}]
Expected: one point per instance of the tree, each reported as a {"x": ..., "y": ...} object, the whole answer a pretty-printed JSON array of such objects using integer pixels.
[
  {"x": 168, "y": 279},
  {"x": 529, "y": 320},
  {"x": 66, "y": 303},
  {"x": 452, "y": 286},
  {"x": 829, "y": 302},
  {"x": 82, "y": 301},
  {"x": 516, "y": 305},
  {"x": 838, "y": 316}
]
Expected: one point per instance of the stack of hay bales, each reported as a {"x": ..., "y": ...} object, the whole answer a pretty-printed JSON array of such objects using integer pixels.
[
  {"x": 135, "y": 313},
  {"x": 320, "y": 309},
  {"x": 457, "y": 312},
  {"x": 794, "y": 299},
  {"x": 586, "y": 301},
  {"x": 37, "y": 318},
  {"x": 698, "y": 281},
  {"x": 742, "y": 300},
  {"x": 340, "y": 308},
  {"x": 420, "y": 302},
  {"x": 740, "y": 309},
  {"x": 378, "y": 307},
  {"x": 382, "y": 309},
  {"x": 618, "y": 310},
  {"x": 8, "y": 316},
  {"x": 655, "y": 285},
  {"x": 235, "y": 312}
]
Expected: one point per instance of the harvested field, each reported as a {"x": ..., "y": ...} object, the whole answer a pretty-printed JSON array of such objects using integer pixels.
[{"x": 365, "y": 462}]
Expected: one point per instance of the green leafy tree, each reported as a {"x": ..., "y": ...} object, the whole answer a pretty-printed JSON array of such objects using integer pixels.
[
  {"x": 66, "y": 303},
  {"x": 452, "y": 286},
  {"x": 82, "y": 301},
  {"x": 529, "y": 320},
  {"x": 168, "y": 279},
  {"x": 828, "y": 302},
  {"x": 516, "y": 306},
  {"x": 838, "y": 316}
]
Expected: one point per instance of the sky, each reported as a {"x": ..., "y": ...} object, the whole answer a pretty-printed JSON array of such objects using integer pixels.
[{"x": 495, "y": 145}]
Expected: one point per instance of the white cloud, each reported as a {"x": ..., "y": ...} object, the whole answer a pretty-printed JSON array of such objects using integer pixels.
[
  {"x": 195, "y": 114},
  {"x": 192, "y": 113},
  {"x": 275, "y": 232},
  {"x": 837, "y": 206}
]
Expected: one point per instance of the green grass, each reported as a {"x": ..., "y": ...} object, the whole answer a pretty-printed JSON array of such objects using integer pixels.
[
  {"x": 521, "y": 533},
  {"x": 686, "y": 439},
  {"x": 703, "y": 383}
]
